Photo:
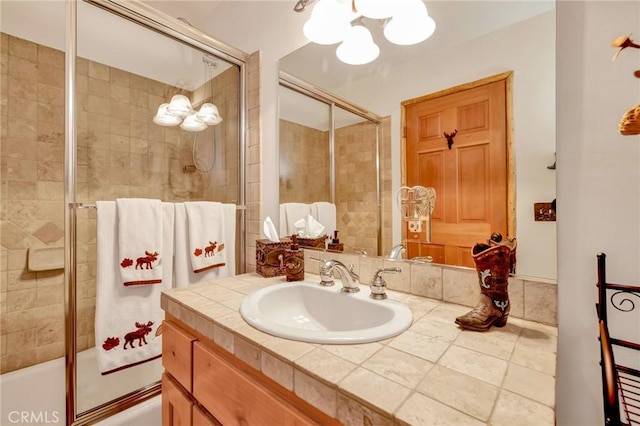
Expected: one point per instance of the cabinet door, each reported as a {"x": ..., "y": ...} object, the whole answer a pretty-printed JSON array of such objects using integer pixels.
[
  {"x": 200, "y": 418},
  {"x": 176, "y": 353},
  {"x": 234, "y": 398},
  {"x": 176, "y": 404}
]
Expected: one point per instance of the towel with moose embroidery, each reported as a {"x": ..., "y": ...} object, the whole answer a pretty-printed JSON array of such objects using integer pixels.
[
  {"x": 206, "y": 231},
  {"x": 128, "y": 320},
  {"x": 140, "y": 251}
]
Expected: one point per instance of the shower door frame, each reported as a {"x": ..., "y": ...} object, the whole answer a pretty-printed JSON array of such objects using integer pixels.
[
  {"x": 152, "y": 19},
  {"x": 333, "y": 101}
]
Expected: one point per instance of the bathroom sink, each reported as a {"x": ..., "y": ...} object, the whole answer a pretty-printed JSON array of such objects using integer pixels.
[{"x": 308, "y": 312}]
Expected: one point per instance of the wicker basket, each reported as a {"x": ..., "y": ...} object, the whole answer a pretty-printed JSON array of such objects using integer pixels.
[{"x": 318, "y": 242}]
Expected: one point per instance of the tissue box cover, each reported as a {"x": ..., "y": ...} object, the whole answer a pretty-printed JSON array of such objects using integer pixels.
[
  {"x": 270, "y": 257},
  {"x": 318, "y": 242}
]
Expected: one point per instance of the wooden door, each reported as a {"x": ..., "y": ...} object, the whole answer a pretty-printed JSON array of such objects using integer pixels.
[{"x": 470, "y": 175}]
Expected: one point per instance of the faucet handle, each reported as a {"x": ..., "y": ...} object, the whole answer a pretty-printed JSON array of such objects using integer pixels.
[
  {"x": 378, "y": 285},
  {"x": 326, "y": 275}
]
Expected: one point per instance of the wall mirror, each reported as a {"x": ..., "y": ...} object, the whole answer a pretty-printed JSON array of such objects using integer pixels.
[{"x": 472, "y": 41}]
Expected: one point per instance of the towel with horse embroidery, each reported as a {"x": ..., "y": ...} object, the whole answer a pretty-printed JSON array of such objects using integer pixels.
[
  {"x": 140, "y": 251},
  {"x": 206, "y": 230}
]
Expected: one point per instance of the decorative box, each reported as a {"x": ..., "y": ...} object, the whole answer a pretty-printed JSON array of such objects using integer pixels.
[
  {"x": 318, "y": 242},
  {"x": 270, "y": 257}
]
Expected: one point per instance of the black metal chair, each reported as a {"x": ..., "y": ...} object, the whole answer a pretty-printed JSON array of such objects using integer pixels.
[{"x": 620, "y": 383}]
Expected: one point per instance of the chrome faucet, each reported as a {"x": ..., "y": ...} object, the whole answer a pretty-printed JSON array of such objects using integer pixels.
[
  {"x": 349, "y": 278},
  {"x": 395, "y": 252},
  {"x": 378, "y": 285}
]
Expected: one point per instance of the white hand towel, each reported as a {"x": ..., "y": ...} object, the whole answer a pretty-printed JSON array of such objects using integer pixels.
[
  {"x": 207, "y": 244},
  {"x": 290, "y": 213},
  {"x": 325, "y": 213},
  {"x": 140, "y": 240},
  {"x": 127, "y": 318},
  {"x": 183, "y": 267}
]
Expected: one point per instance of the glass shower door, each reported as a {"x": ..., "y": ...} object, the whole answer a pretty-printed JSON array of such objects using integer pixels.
[{"x": 124, "y": 73}]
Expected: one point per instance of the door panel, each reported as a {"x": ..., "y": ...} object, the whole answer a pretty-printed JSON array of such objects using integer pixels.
[{"x": 470, "y": 177}]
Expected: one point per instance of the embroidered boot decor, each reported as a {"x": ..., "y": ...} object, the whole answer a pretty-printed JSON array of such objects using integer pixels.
[{"x": 494, "y": 260}]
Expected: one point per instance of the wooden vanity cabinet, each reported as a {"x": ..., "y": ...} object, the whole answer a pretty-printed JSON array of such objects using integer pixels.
[
  {"x": 177, "y": 405},
  {"x": 205, "y": 386}
]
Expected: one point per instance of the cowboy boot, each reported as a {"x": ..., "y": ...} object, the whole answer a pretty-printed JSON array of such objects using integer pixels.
[{"x": 493, "y": 262}]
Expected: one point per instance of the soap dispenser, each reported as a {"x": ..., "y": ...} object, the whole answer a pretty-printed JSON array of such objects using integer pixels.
[
  {"x": 294, "y": 261},
  {"x": 335, "y": 244}
]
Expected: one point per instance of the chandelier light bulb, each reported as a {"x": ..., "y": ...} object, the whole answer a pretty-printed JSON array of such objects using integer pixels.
[
  {"x": 358, "y": 47},
  {"x": 329, "y": 22},
  {"x": 410, "y": 24},
  {"x": 180, "y": 106},
  {"x": 163, "y": 118},
  {"x": 192, "y": 124},
  {"x": 209, "y": 114}
]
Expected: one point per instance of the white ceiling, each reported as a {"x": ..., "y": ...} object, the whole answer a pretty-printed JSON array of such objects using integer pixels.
[
  {"x": 255, "y": 25},
  {"x": 252, "y": 25}
]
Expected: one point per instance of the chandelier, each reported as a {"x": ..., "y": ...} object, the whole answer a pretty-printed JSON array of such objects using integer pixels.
[
  {"x": 180, "y": 112},
  {"x": 404, "y": 22}
]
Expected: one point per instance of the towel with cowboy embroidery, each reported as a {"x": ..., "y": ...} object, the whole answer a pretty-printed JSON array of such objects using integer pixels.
[
  {"x": 206, "y": 225},
  {"x": 140, "y": 240}
]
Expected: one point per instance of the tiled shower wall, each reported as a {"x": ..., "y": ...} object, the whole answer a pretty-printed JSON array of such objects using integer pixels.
[
  {"x": 304, "y": 157},
  {"x": 304, "y": 163},
  {"x": 121, "y": 153},
  {"x": 356, "y": 186},
  {"x": 32, "y": 122}
]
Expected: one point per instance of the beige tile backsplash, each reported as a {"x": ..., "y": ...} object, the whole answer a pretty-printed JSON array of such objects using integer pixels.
[{"x": 531, "y": 299}]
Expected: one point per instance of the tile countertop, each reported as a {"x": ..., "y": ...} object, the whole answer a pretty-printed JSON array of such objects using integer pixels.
[{"x": 433, "y": 373}]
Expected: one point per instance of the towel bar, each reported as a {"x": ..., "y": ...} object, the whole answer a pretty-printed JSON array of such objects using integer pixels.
[{"x": 93, "y": 206}]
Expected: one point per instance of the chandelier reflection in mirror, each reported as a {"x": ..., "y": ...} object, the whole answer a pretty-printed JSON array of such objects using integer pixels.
[
  {"x": 180, "y": 112},
  {"x": 404, "y": 22}
]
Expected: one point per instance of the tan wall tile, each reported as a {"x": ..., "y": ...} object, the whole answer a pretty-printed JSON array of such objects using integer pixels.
[
  {"x": 19, "y": 300},
  {"x": 22, "y": 108},
  {"x": 51, "y": 75},
  {"x": 23, "y": 68},
  {"x": 51, "y": 332},
  {"x": 541, "y": 302},
  {"x": 48, "y": 352},
  {"x": 23, "y": 49},
  {"x": 99, "y": 71},
  {"x": 47, "y": 55},
  {"x": 18, "y": 360},
  {"x": 21, "y": 128},
  {"x": 17, "y": 321},
  {"x": 21, "y": 87},
  {"x": 21, "y": 341}
]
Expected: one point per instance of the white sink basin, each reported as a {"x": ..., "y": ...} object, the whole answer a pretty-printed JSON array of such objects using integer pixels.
[{"x": 307, "y": 312}]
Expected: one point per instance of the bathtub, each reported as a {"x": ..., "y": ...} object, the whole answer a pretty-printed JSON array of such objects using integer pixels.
[{"x": 36, "y": 395}]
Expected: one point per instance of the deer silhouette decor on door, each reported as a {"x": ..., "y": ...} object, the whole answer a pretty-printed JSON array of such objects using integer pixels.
[{"x": 449, "y": 137}]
